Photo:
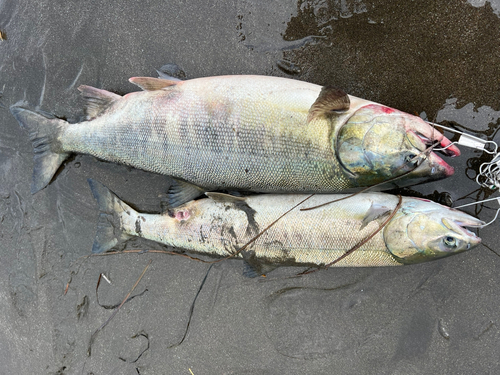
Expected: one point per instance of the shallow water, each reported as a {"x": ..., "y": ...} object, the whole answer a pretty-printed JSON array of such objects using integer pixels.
[{"x": 421, "y": 56}]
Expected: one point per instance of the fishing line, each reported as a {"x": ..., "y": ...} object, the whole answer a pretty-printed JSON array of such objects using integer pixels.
[
  {"x": 348, "y": 252},
  {"x": 488, "y": 175},
  {"x": 362, "y": 242},
  {"x": 466, "y": 140},
  {"x": 417, "y": 158},
  {"x": 261, "y": 233},
  {"x": 480, "y": 202},
  {"x": 489, "y": 172}
]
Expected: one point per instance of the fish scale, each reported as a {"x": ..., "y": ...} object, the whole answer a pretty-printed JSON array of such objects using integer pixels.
[
  {"x": 310, "y": 236},
  {"x": 302, "y": 237},
  {"x": 298, "y": 154},
  {"x": 221, "y": 225},
  {"x": 254, "y": 133}
]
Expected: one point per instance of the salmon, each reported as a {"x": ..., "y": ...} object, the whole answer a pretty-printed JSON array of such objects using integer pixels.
[
  {"x": 247, "y": 133},
  {"x": 222, "y": 225}
]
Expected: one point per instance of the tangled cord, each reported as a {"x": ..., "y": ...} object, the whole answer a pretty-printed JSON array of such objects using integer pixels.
[
  {"x": 489, "y": 172},
  {"x": 488, "y": 175}
]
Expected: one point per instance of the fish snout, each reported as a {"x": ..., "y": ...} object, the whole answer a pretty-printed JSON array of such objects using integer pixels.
[
  {"x": 431, "y": 137},
  {"x": 459, "y": 222},
  {"x": 474, "y": 240},
  {"x": 438, "y": 167}
]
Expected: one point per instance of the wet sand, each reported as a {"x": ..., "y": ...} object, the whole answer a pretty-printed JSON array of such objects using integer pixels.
[{"x": 424, "y": 56}]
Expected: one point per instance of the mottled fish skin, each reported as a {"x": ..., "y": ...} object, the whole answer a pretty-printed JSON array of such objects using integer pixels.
[
  {"x": 213, "y": 134},
  {"x": 250, "y": 133},
  {"x": 222, "y": 224}
]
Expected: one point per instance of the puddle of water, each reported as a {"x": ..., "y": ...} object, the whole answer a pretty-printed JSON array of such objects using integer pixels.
[
  {"x": 495, "y": 4},
  {"x": 482, "y": 120}
]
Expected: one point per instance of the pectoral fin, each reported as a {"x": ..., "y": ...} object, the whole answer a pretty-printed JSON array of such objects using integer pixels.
[
  {"x": 330, "y": 100},
  {"x": 375, "y": 212},
  {"x": 152, "y": 84}
]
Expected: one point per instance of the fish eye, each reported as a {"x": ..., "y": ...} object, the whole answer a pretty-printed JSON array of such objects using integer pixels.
[
  {"x": 412, "y": 159},
  {"x": 450, "y": 241}
]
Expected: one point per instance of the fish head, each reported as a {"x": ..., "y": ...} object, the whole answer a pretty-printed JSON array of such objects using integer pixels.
[
  {"x": 378, "y": 143},
  {"x": 423, "y": 230}
]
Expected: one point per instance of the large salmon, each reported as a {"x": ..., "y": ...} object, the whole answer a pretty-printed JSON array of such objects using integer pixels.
[
  {"x": 255, "y": 133},
  {"x": 220, "y": 225}
]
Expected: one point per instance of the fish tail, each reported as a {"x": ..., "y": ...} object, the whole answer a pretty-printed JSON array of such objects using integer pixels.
[
  {"x": 110, "y": 230},
  {"x": 44, "y": 134}
]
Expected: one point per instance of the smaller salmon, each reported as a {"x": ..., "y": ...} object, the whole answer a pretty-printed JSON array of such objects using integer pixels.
[{"x": 221, "y": 225}]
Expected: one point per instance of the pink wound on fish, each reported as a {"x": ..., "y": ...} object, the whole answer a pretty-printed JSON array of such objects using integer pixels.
[
  {"x": 381, "y": 108},
  {"x": 182, "y": 215},
  {"x": 388, "y": 109}
]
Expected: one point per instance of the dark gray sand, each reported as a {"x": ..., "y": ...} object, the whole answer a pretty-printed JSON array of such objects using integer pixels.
[{"x": 441, "y": 58}]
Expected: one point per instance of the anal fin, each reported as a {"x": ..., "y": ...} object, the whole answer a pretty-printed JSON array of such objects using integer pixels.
[
  {"x": 255, "y": 267},
  {"x": 250, "y": 271},
  {"x": 96, "y": 100}
]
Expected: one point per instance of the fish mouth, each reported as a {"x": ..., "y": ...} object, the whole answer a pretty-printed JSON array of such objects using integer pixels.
[
  {"x": 461, "y": 223},
  {"x": 439, "y": 167},
  {"x": 469, "y": 222},
  {"x": 432, "y": 168},
  {"x": 431, "y": 137},
  {"x": 472, "y": 238}
]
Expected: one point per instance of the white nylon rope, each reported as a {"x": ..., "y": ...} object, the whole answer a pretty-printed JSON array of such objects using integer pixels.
[{"x": 489, "y": 170}]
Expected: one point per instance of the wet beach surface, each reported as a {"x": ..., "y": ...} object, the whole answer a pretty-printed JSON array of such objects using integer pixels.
[{"x": 439, "y": 60}]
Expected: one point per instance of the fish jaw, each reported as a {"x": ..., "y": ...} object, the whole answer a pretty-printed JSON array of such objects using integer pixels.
[
  {"x": 460, "y": 225},
  {"x": 423, "y": 230},
  {"x": 378, "y": 143},
  {"x": 432, "y": 168},
  {"x": 442, "y": 168},
  {"x": 430, "y": 135}
]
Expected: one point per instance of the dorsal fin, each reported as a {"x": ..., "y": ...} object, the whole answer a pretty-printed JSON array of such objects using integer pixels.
[
  {"x": 224, "y": 198},
  {"x": 329, "y": 100},
  {"x": 96, "y": 100},
  {"x": 152, "y": 84}
]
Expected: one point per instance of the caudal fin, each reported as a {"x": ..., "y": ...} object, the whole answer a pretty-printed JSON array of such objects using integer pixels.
[
  {"x": 44, "y": 133},
  {"x": 109, "y": 225}
]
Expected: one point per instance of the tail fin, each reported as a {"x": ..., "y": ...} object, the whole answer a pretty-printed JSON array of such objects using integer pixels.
[
  {"x": 44, "y": 133},
  {"x": 109, "y": 225}
]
